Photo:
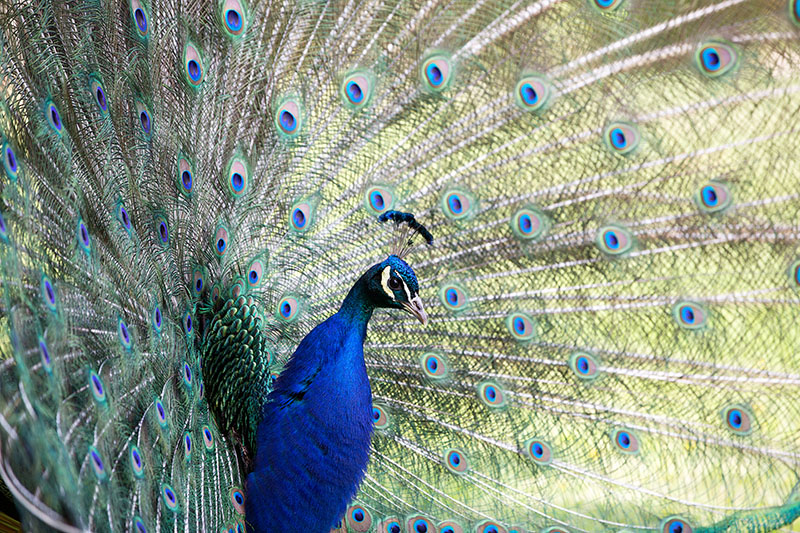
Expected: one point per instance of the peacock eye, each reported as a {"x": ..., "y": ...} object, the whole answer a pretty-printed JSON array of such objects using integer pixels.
[{"x": 394, "y": 283}]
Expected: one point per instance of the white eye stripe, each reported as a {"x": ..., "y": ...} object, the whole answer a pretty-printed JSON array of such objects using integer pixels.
[
  {"x": 385, "y": 275},
  {"x": 405, "y": 288}
]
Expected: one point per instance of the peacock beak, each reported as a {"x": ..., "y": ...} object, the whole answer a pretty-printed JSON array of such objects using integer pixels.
[{"x": 415, "y": 308}]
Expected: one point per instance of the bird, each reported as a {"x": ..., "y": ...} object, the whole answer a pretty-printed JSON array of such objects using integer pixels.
[{"x": 400, "y": 266}]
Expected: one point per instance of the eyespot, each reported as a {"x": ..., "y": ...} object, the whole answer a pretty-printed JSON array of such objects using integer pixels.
[
  {"x": 516, "y": 529},
  {"x": 453, "y": 297},
  {"x": 216, "y": 292},
  {"x": 490, "y": 526},
  {"x": 161, "y": 413},
  {"x": 157, "y": 319},
  {"x": 675, "y": 524},
  {"x": 169, "y": 498},
  {"x": 99, "y": 94},
  {"x": 622, "y": 138},
  {"x": 237, "y": 500},
  {"x": 434, "y": 365},
  {"x": 715, "y": 58},
  {"x": 84, "y": 241},
  {"x": 419, "y": 524},
  {"x": 255, "y": 272},
  {"x": 450, "y": 526},
  {"x": 97, "y": 388},
  {"x": 238, "y": 177},
  {"x": 10, "y": 162},
  {"x": 140, "y": 19},
  {"x": 358, "y": 518},
  {"x": 187, "y": 375},
  {"x": 532, "y": 93},
  {"x": 185, "y": 176},
  {"x": 48, "y": 293},
  {"x": 143, "y": 115},
  {"x": 187, "y": 447},
  {"x": 606, "y": 5},
  {"x": 521, "y": 326},
  {"x": 237, "y": 288},
  {"x": 193, "y": 67},
  {"x": 288, "y": 118},
  {"x": 738, "y": 419},
  {"x": 713, "y": 197},
  {"x": 162, "y": 230},
  {"x": 188, "y": 324},
  {"x": 288, "y": 309},
  {"x": 138, "y": 525},
  {"x": 456, "y": 461},
  {"x": 123, "y": 217},
  {"x": 456, "y": 205},
  {"x": 379, "y": 199},
  {"x": 491, "y": 394},
  {"x": 123, "y": 334},
  {"x": 614, "y": 240},
  {"x": 626, "y": 441},
  {"x": 44, "y": 353},
  {"x": 794, "y": 11},
  {"x": 137, "y": 464},
  {"x": 556, "y": 529},
  {"x": 538, "y": 450},
  {"x": 221, "y": 240},
  {"x": 356, "y": 90},
  {"x": 389, "y": 525},
  {"x": 97, "y": 464},
  {"x": 530, "y": 224},
  {"x": 380, "y": 416},
  {"x": 690, "y": 315},
  {"x": 208, "y": 438},
  {"x": 198, "y": 280},
  {"x": 300, "y": 219},
  {"x": 584, "y": 365},
  {"x": 234, "y": 18},
  {"x": 3, "y": 229},
  {"x": 436, "y": 73},
  {"x": 53, "y": 117}
]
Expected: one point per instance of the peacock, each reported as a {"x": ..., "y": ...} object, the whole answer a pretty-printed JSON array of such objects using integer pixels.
[{"x": 400, "y": 266}]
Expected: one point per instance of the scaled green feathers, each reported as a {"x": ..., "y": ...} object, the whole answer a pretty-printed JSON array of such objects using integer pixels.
[{"x": 188, "y": 187}]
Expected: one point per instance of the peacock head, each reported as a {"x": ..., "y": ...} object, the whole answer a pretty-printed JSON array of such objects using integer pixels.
[{"x": 393, "y": 284}]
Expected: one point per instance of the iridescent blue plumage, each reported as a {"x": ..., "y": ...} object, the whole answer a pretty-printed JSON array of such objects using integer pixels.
[{"x": 314, "y": 436}]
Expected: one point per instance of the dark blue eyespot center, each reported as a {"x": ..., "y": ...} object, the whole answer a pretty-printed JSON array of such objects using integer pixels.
[
  {"x": 51, "y": 295},
  {"x": 354, "y": 92},
  {"x": 623, "y": 439},
  {"x": 221, "y": 245},
  {"x": 194, "y": 70},
  {"x": 519, "y": 326},
  {"x": 238, "y": 497},
  {"x": 163, "y": 232},
  {"x": 455, "y": 459},
  {"x": 525, "y": 224},
  {"x": 435, "y": 76},
  {"x": 123, "y": 329},
  {"x": 618, "y": 138},
  {"x": 676, "y": 527},
  {"x": 611, "y": 240},
  {"x": 97, "y": 461},
  {"x": 186, "y": 179},
  {"x": 358, "y": 515},
  {"x": 198, "y": 285},
  {"x": 189, "y": 330},
  {"x": 299, "y": 218},
  {"x": 455, "y": 204},
  {"x": 169, "y": 494},
  {"x": 253, "y": 276},
  {"x": 233, "y": 20},
  {"x": 528, "y": 94},
  {"x": 55, "y": 117},
  {"x": 141, "y": 20},
  {"x": 144, "y": 118},
  {"x": 583, "y": 365},
  {"x": 137, "y": 459},
  {"x": 98, "y": 385},
  {"x": 376, "y": 413},
  {"x": 237, "y": 182},
  {"x": 12, "y": 161},
  {"x": 491, "y": 393},
  {"x": 687, "y": 314},
  {"x": 125, "y": 220},
  {"x": 45, "y": 352},
  {"x": 711, "y": 59},
  {"x": 735, "y": 418},
  {"x": 432, "y": 364},
  {"x": 604, "y": 3},
  {"x": 101, "y": 98},
  {"x": 377, "y": 201},
  {"x": 490, "y": 529},
  {"x": 394, "y": 528},
  {"x": 452, "y": 296},
  {"x": 537, "y": 449},
  {"x": 158, "y": 317},
  {"x": 709, "y": 196},
  {"x": 84, "y": 235},
  {"x": 286, "y": 309},
  {"x": 288, "y": 121},
  {"x": 188, "y": 443},
  {"x": 161, "y": 414},
  {"x": 421, "y": 527}
]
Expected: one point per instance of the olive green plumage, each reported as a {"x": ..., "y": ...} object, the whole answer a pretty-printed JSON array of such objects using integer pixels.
[{"x": 612, "y": 290}]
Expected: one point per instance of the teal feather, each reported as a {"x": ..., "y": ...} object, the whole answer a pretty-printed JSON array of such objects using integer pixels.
[{"x": 189, "y": 188}]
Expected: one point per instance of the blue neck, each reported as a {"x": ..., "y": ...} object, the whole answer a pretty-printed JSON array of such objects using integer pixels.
[{"x": 357, "y": 306}]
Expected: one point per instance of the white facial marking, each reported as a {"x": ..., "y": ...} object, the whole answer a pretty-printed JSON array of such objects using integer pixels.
[{"x": 385, "y": 275}]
